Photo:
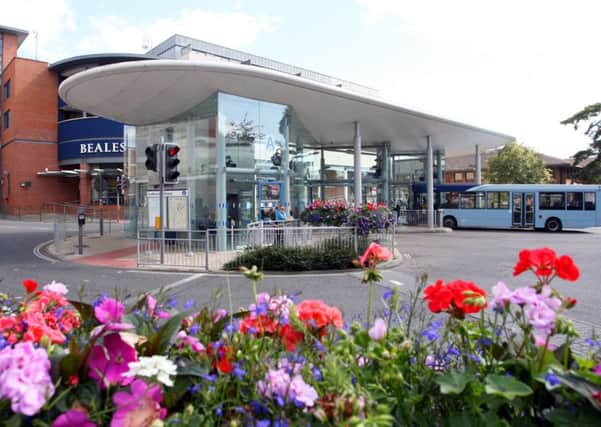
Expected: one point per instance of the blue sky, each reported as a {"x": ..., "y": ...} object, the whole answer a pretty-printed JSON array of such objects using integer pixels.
[{"x": 517, "y": 67}]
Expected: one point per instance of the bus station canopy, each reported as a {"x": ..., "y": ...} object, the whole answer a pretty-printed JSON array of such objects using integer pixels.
[{"x": 154, "y": 91}]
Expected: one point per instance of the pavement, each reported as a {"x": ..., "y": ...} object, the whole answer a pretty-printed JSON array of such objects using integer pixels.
[{"x": 118, "y": 250}]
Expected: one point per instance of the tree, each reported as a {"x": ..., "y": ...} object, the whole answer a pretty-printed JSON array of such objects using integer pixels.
[
  {"x": 591, "y": 171},
  {"x": 517, "y": 164}
]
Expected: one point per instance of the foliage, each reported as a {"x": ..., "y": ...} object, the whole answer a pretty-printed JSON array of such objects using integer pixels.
[
  {"x": 591, "y": 171},
  {"x": 327, "y": 256},
  {"x": 466, "y": 360},
  {"x": 367, "y": 218},
  {"x": 517, "y": 164}
]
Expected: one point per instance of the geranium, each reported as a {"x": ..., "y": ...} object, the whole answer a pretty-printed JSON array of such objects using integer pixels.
[
  {"x": 30, "y": 285},
  {"x": 223, "y": 357},
  {"x": 56, "y": 287},
  {"x": 25, "y": 377},
  {"x": 140, "y": 407},
  {"x": 109, "y": 361},
  {"x": 545, "y": 264},
  {"x": 378, "y": 331},
  {"x": 159, "y": 367},
  {"x": 278, "y": 384},
  {"x": 374, "y": 254},
  {"x": 458, "y": 297}
]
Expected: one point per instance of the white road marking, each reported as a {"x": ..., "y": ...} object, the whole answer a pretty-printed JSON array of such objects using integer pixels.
[{"x": 36, "y": 252}]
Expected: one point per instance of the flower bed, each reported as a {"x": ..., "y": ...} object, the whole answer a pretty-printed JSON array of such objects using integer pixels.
[
  {"x": 367, "y": 218},
  {"x": 461, "y": 359}
]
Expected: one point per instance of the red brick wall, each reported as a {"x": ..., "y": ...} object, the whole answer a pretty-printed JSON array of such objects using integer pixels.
[
  {"x": 9, "y": 48},
  {"x": 29, "y": 145}
]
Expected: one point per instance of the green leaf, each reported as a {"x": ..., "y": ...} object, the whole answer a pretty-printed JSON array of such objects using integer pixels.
[
  {"x": 507, "y": 387},
  {"x": 581, "y": 386},
  {"x": 85, "y": 310},
  {"x": 452, "y": 382},
  {"x": 188, "y": 367},
  {"x": 581, "y": 417},
  {"x": 160, "y": 340}
]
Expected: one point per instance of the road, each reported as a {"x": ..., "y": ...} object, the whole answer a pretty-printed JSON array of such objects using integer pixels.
[{"x": 484, "y": 257}]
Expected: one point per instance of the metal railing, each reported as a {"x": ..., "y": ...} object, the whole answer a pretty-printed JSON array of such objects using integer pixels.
[
  {"x": 212, "y": 248},
  {"x": 419, "y": 217}
]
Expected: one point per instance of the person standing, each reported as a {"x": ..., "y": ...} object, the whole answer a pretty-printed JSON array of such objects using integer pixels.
[{"x": 280, "y": 218}]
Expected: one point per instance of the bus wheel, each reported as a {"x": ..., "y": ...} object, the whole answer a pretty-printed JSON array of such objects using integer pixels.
[
  {"x": 449, "y": 222},
  {"x": 553, "y": 225}
]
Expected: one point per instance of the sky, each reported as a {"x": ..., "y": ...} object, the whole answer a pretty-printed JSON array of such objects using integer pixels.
[{"x": 513, "y": 66}]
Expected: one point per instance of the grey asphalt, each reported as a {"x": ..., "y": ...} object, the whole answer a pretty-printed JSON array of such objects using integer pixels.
[{"x": 484, "y": 257}]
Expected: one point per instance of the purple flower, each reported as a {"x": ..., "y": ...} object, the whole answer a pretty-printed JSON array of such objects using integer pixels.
[
  {"x": 280, "y": 386},
  {"x": 378, "y": 330},
  {"x": 552, "y": 379},
  {"x": 522, "y": 296},
  {"x": 502, "y": 295},
  {"x": 141, "y": 406},
  {"x": 541, "y": 317},
  {"x": 109, "y": 312},
  {"x": 73, "y": 418},
  {"x": 25, "y": 378},
  {"x": 109, "y": 361}
]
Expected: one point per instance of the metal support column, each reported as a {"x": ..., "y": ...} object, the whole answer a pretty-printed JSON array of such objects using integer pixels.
[
  {"x": 430, "y": 182},
  {"x": 478, "y": 166},
  {"x": 357, "y": 166},
  {"x": 286, "y": 165},
  {"x": 386, "y": 174},
  {"x": 221, "y": 187},
  {"x": 322, "y": 175}
]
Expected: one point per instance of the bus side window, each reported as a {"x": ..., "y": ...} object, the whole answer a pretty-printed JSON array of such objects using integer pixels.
[
  {"x": 574, "y": 200},
  {"x": 589, "y": 201}
]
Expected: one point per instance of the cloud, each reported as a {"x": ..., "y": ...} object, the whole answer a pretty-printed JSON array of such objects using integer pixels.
[
  {"x": 49, "y": 19},
  {"x": 514, "y": 66},
  {"x": 232, "y": 29}
]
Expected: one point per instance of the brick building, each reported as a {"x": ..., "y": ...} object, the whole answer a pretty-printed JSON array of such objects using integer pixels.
[
  {"x": 462, "y": 169},
  {"x": 50, "y": 152}
]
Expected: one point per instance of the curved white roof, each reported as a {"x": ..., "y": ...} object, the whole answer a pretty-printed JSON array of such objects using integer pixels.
[{"x": 147, "y": 92}]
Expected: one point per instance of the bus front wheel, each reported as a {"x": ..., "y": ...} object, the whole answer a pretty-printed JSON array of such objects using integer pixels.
[
  {"x": 449, "y": 222},
  {"x": 553, "y": 225}
]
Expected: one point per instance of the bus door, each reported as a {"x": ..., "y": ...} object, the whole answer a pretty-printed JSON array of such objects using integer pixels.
[{"x": 522, "y": 213}]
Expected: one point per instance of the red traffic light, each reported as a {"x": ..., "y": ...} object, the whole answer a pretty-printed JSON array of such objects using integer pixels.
[{"x": 172, "y": 150}]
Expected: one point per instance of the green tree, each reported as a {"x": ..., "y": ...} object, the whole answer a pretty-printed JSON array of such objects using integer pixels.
[
  {"x": 591, "y": 170},
  {"x": 517, "y": 164}
]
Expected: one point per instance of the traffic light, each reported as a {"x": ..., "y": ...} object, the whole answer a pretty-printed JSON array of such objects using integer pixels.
[
  {"x": 151, "y": 157},
  {"x": 170, "y": 163}
]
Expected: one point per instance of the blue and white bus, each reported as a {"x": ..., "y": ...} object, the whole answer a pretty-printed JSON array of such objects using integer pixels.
[{"x": 546, "y": 206}]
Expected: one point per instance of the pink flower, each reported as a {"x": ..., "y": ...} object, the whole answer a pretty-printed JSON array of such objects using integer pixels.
[
  {"x": 25, "y": 378},
  {"x": 108, "y": 362},
  {"x": 140, "y": 407},
  {"x": 502, "y": 295},
  {"x": 151, "y": 304},
  {"x": 378, "y": 330},
  {"x": 56, "y": 287},
  {"x": 73, "y": 418},
  {"x": 375, "y": 253},
  {"x": 109, "y": 312},
  {"x": 522, "y": 296},
  {"x": 597, "y": 369},
  {"x": 540, "y": 341},
  {"x": 183, "y": 339},
  {"x": 278, "y": 384},
  {"x": 541, "y": 317}
]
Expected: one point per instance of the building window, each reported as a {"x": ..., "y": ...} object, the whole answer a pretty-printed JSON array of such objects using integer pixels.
[
  {"x": 7, "y": 89},
  {"x": 458, "y": 176},
  {"x": 6, "y": 120},
  {"x": 469, "y": 176}
]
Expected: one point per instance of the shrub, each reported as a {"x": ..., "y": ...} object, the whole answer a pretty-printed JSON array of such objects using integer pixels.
[{"x": 329, "y": 256}]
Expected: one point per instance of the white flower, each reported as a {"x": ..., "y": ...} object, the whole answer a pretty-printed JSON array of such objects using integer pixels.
[
  {"x": 56, "y": 287},
  {"x": 156, "y": 366}
]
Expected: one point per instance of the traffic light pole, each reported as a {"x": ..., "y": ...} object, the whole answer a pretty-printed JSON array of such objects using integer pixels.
[{"x": 160, "y": 155}]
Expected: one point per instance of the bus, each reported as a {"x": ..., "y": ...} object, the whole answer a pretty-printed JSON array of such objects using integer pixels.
[
  {"x": 552, "y": 207},
  {"x": 419, "y": 196}
]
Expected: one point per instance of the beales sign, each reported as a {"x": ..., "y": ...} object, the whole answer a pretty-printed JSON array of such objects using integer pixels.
[
  {"x": 101, "y": 147},
  {"x": 91, "y": 148}
]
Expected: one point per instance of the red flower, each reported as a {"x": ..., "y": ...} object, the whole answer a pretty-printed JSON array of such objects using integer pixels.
[
  {"x": 374, "y": 253},
  {"x": 290, "y": 337},
  {"x": 438, "y": 296},
  {"x": 458, "y": 297},
  {"x": 570, "y": 302},
  {"x": 317, "y": 316},
  {"x": 468, "y": 297},
  {"x": 566, "y": 269},
  {"x": 542, "y": 261},
  {"x": 30, "y": 285},
  {"x": 225, "y": 358}
]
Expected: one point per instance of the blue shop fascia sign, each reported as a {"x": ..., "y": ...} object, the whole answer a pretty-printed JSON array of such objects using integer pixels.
[{"x": 96, "y": 148}]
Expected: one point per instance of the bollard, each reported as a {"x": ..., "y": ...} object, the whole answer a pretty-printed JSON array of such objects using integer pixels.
[{"x": 81, "y": 220}]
